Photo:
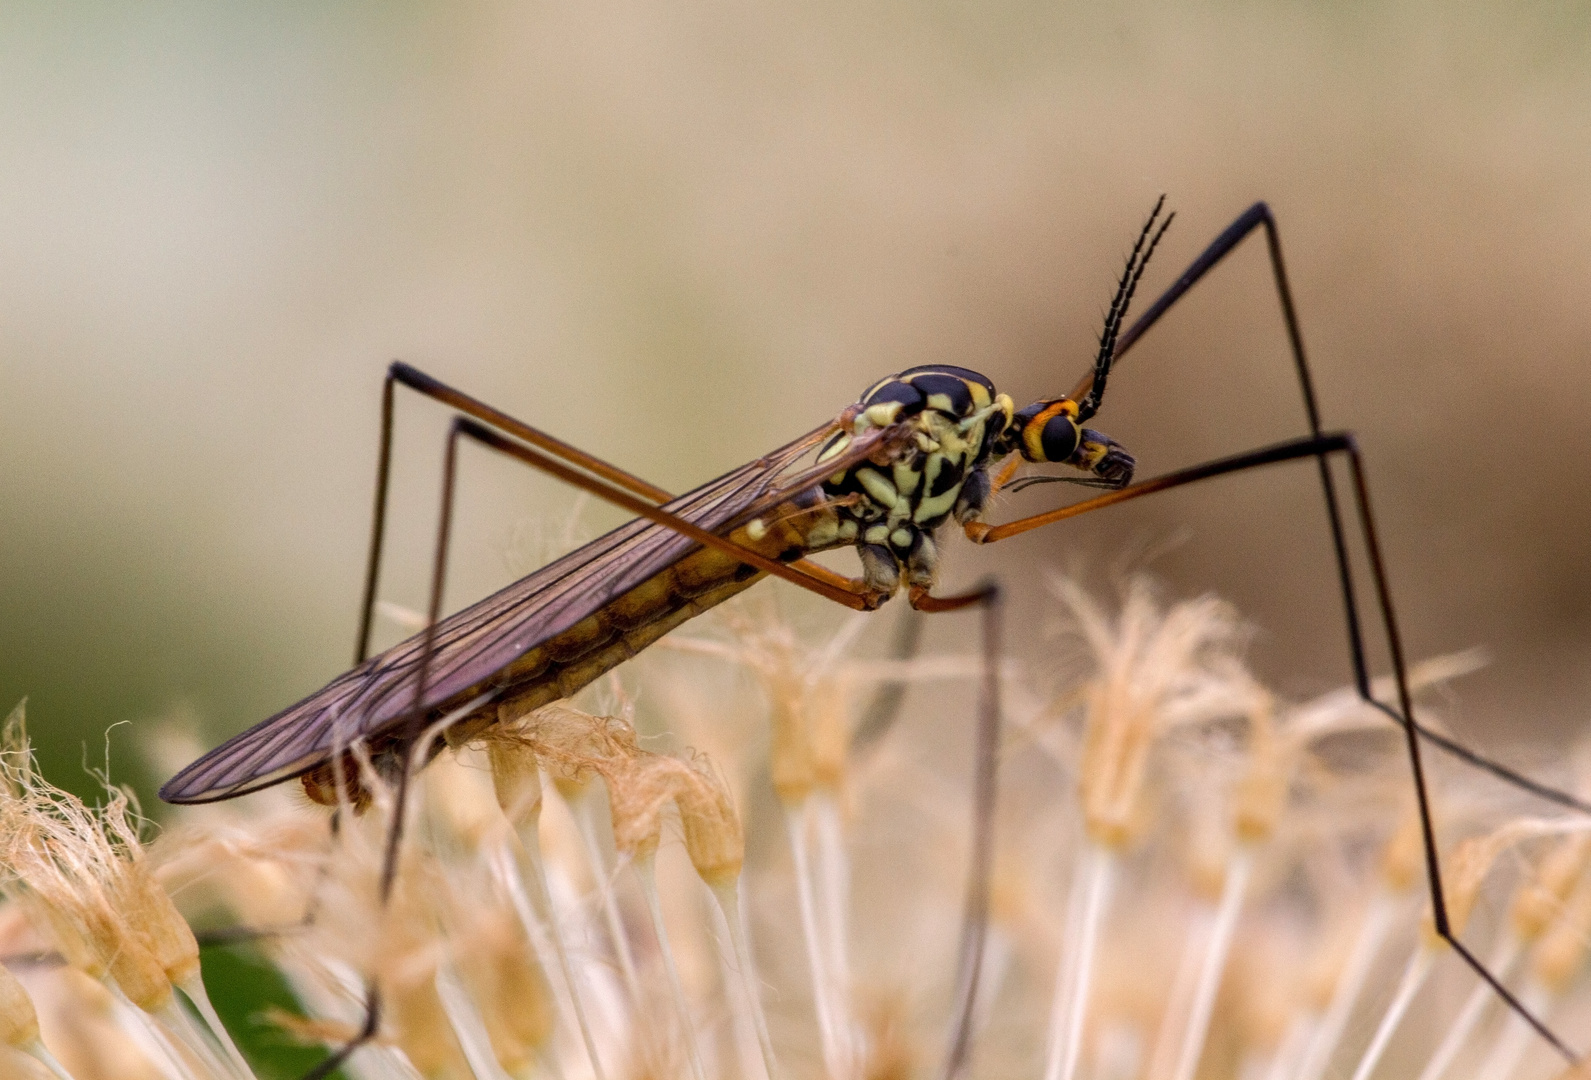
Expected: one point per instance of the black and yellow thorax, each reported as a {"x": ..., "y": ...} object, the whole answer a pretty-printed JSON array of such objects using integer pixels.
[
  {"x": 957, "y": 427},
  {"x": 889, "y": 509}
]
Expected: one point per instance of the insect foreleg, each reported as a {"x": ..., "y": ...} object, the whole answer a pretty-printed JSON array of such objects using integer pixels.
[
  {"x": 1253, "y": 218},
  {"x": 1234, "y": 234},
  {"x": 1412, "y": 731},
  {"x": 1322, "y": 447}
]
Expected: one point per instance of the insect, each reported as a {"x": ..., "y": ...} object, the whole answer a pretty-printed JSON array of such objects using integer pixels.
[{"x": 890, "y": 475}]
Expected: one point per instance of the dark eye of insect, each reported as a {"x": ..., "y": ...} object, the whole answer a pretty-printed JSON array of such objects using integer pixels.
[
  {"x": 894, "y": 390},
  {"x": 1059, "y": 438},
  {"x": 950, "y": 386}
]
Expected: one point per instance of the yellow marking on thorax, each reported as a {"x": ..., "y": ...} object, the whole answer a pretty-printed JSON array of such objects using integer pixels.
[
  {"x": 879, "y": 488},
  {"x": 906, "y": 477}
]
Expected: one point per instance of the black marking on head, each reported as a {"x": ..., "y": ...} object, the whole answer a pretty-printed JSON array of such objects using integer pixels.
[
  {"x": 952, "y": 386},
  {"x": 948, "y": 369},
  {"x": 910, "y": 398}
]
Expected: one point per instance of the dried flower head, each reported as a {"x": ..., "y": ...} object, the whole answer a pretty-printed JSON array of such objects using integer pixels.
[{"x": 1193, "y": 878}]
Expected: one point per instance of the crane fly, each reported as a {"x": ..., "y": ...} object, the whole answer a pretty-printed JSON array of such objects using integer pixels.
[{"x": 888, "y": 475}]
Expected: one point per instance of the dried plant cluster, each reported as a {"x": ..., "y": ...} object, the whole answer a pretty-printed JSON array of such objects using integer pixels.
[{"x": 1193, "y": 878}]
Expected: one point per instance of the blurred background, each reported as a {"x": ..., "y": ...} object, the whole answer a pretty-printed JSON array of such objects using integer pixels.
[{"x": 677, "y": 238}]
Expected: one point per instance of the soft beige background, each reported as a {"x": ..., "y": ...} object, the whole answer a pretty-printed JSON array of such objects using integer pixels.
[{"x": 677, "y": 234}]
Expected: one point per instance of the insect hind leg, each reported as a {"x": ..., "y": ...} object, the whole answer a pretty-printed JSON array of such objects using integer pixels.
[
  {"x": 399, "y": 373},
  {"x": 366, "y": 1033},
  {"x": 408, "y": 747}
]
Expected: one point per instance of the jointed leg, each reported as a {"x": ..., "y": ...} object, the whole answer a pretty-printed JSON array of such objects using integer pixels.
[
  {"x": 419, "y": 381},
  {"x": 884, "y": 706},
  {"x": 412, "y": 754},
  {"x": 593, "y": 466},
  {"x": 367, "y": 1032},
  {"x": 1253, "y": 218},
  {"x": 1322, "y": 447},
  {"x": 975, "y": 917},
  {"x": 410, "y": 739}
]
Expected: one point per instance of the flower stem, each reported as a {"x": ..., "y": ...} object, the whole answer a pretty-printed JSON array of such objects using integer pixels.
[
  {"x": 1237, "y": 878},
  {"x": 37, "y": 1050},
  {"x": 530, "y": 843},
  {"x": 1414, "y": 974},
  {"x": 585, "y": 821},
  {"x": 1515, "y": 1037},
  {"x": 467, "y": 1024},
  {"x": 645, "y": 870},
  {"x": 193, "y": 987},
  {"x": 1091, "y": 889},
  {"x": 728, "y": 896},
  {"x": 1502, "y": 963},
  {"x": 1367, "y": 944},
  {"x": 836, "y": 1056}
]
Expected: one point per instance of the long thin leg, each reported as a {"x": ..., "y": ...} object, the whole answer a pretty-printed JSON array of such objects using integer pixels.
[
  {"x": 416, "y": 722},
  {"x": 1411, "y": 732},
  {"x": 1234, "y": 234},
  {"x": 851, "y": 598},
  {"x": 399, "y": 373},
  {"x": 1253, "y": 218},
  {"x": 975, "y": 917},
  {"x": 884, "y": 706},
  {"x": 367, "y": 1031},
  {"x": 1321, "y": 447},
  {"x": 411, "y": 736},
  {"x": 414, "y": 726}
]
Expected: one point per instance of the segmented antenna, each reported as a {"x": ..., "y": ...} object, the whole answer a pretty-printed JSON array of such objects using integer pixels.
[{"x": 1148, "y": 238}]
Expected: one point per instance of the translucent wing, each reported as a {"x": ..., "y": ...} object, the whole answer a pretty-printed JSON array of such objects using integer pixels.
[{"x": 486, "y": 637}]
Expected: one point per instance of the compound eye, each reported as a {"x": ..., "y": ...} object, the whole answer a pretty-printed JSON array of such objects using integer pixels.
[{"x": 1059, "y": 438}]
